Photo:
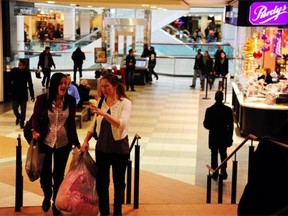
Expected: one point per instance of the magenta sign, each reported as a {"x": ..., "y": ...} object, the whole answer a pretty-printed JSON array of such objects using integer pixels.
[{"x": 269, "y": 13}]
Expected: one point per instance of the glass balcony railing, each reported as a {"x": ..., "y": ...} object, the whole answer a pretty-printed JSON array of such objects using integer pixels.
[{"x": 172, "y": 59}]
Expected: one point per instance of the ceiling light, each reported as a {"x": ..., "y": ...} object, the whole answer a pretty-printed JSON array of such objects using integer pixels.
[{"x": 50, "y": 2}]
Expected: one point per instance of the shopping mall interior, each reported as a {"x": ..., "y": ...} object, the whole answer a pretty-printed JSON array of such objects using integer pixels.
[{"x": 167, "y": 115}]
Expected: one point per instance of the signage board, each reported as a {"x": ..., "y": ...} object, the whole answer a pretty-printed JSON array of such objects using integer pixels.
[{"x": 269, "y": 13}]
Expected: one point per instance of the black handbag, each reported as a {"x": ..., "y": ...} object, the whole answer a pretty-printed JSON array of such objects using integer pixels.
[
  {"x": 27, "y": 130},
  {"x": 95, "y": 123}
]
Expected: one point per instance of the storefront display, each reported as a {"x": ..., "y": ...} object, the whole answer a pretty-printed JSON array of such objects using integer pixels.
[{"x": 260, "y": 90}]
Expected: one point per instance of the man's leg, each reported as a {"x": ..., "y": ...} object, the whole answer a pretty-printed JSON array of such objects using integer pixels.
[
  {"x": 15, "y": 106},
  {"x": 48, "y": 72},
  {"x": 74, "y": 72},
  {"x": 23, "y": 106},
  {"x": 214, "y": 161}
]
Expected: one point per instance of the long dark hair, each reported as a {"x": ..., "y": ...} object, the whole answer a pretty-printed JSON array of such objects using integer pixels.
[
  {"x": 115, "y": 82},
  {"x": 53, "y": 90}
]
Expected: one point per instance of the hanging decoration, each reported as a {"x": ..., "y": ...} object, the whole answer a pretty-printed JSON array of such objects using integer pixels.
[{"x": 277, "y": 44}]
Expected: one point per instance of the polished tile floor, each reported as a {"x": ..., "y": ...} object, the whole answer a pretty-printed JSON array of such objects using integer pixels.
[{"x": 168, "y": 116}]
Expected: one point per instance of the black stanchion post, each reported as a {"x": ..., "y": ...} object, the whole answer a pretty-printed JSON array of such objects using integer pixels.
[
  {"x": 250, "y": 163},
  {"x": 206, "y": 91},
  {"x": 129, "y": 176},
  {"x": 208, "y": 195},
  {"x": 19, "y": 177},
  {"x": 225, "y": 88},
  {"x": 234, "y": 182},
  {"x": 136, "y": 176},
  {"x": 220, "y": 188}
]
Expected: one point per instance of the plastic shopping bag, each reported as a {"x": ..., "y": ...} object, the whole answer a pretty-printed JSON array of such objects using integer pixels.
[
  {"x": 34, "y": 161},
  {"x": 77, "y": 193}
]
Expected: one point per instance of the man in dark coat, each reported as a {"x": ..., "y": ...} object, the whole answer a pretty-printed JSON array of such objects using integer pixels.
[
  {"x": 219, "y": 121},
  {"x": 19, "y": 78},
  {"x": 46, "y": 62},
  {"x": 78, "y": 56}
]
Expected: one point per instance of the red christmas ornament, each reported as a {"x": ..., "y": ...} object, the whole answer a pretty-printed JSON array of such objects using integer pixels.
[{"x": 257, "y": 54}]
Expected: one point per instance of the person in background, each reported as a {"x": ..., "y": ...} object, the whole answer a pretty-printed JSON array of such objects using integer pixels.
[
  {"x": 84, "y": 92},
  {"x": 198, "y": 67},
  {"x": 19, "y": 78},
  {"x": 129, "y": 73},
  {"x": 146, "y": 51},
  {"x": 266, "y": 77},
  {"x": 207, "y": 67},
  {"x": 222, "y": 69},
  {"x": 56, "y": 134},
  {"x": 41, "y": 35},
  {"x": 46, "y": 62},
  {"x": 146, "y": 54},
  {"x": 152, "y": 64},
  {"x": 78, "y": 56},
  {"x": 217, "y": 57},
  {"x": 73, "y": 89},
  {"x": 219, "y": 121},
  {"x": 112, "y": 147},
  {"x": 120, "y": 72}
]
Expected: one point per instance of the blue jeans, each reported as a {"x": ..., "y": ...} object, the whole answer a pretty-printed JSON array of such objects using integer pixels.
[{"x": 129, "y": 79}]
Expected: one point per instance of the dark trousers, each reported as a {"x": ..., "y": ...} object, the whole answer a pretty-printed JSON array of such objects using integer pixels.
[
  {"x": 46, "y": 76},
  {"x": 214, "y": 157},
  {"x": 129, "y": 79},
  {"x": 79, "y": 67},
  {"x": 119, "y": 164},
  {"x": 22, "y": 114},
  {"x": 51, "y": 178}
]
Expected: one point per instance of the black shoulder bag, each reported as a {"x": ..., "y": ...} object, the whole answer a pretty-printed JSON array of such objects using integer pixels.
[{"x": 95, "y": 123}]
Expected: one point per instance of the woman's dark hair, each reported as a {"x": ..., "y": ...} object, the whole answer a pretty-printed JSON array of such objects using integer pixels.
[
  {"x": 113, "y": 79},
  {"x": 53, "y": 90}
]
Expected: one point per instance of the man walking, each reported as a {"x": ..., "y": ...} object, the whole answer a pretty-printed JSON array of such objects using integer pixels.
[
  {"x": 130, "y": 67},
  {"x": 219, "y": 121},
  {"x": 19, "y": 78},
  {"x": 78, "y": 56},
  {"x": 46, "y": 62},
  {"x": 198, "y": 67}
]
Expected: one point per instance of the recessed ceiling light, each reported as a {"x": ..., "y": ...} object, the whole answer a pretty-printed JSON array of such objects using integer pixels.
[{"x": 50, "y": 2}]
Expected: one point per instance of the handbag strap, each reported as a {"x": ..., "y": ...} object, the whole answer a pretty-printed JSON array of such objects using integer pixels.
[{"x": 99, "y": 106}]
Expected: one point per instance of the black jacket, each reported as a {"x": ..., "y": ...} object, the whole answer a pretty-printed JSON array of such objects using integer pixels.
[
  {"x": 41, "y": 61},
  {"x": 130, "y": 59},
  {"x": 78, "y": 56},
  {"x": 199, "y": 62},
  {"x": 18, "y": 85},
  {"x": 219, "y": 121}
]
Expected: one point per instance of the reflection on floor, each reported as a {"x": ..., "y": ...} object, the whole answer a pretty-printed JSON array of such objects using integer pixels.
[{"x": 168, "y": 116}]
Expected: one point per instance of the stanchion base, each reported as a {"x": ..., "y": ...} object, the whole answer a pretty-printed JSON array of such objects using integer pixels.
[{"x": 206, "y": 98}]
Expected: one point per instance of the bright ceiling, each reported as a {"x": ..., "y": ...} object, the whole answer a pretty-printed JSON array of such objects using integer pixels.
[{"x": 149, "y": 4}]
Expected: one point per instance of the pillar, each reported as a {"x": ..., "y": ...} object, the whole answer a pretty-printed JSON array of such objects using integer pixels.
[
  {"x": 84, "y": 22},
  {"x": 69, "y": 28},
  {"x": 20, "y": 37}
]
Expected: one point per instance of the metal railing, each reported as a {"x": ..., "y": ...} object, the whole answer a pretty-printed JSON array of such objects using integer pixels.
[
  {"x": 250, "y": 137},
  {"x": 136, "y": 173}
]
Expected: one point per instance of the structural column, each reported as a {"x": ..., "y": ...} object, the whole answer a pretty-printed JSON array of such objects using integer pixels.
[
  {"x": 69, "y": 29},
  {"x": 20, "y": 37},
  {"x": 84, "y": 23}
]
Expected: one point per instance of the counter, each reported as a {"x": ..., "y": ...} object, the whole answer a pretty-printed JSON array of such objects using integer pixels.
[{"x": 254, "y": 116}]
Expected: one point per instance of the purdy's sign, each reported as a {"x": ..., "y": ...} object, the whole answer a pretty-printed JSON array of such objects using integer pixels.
[{"x": 269, "y": 13}]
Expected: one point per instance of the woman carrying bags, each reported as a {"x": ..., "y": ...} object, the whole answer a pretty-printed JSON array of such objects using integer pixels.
[{"x": 112, "y": 147}]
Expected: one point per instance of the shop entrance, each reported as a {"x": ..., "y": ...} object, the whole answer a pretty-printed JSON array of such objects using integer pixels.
[{"x": 124, "y": 39}]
